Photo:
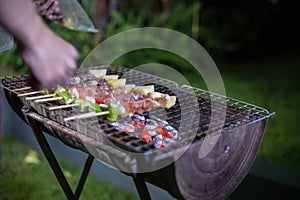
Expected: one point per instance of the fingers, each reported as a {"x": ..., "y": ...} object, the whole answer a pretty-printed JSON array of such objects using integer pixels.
[
  {"x": 51, "y": 60},
  {"x": 61, "y": 75},
  {"x": 49, "y": 73},
  {"x": 50, "y": 83},
  {"x": 49, "y": 9},
  {"x": 34, "y": 83}
]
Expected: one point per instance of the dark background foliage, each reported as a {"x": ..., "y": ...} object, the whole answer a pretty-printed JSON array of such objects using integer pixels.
[{"x": 228, "y": 29}]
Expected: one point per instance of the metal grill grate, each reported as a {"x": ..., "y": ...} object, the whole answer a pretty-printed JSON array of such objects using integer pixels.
[
  {"x": 14, "y": 83},
  {"x": 132, "y": 76}
]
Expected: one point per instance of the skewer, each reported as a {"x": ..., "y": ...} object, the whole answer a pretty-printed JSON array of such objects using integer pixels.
[
  {"x": 40, "y": 97},
  {"x": 64, "y": 106},
  {"x": 20, "y": 89},
  {"x": 48, "y": 99},
  {"x": 86, "y": 115},
  {"x": 29, "y": 93},
  {"x": 103, "y": 105},
  {"x": 72, "y": 105}
]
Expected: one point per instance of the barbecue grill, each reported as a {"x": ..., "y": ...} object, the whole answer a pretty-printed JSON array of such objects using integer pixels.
[{"x": 185, "y": 173}]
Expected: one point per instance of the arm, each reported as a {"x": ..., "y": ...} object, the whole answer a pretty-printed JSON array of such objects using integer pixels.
[
  {"x": 20, "y": 19},
  {"x": 50, "y": 59}
]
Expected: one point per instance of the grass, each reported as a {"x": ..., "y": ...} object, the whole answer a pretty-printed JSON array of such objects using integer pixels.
[
  {"x": 27, "y": 175},
  {"x": 271, "y": 82}
]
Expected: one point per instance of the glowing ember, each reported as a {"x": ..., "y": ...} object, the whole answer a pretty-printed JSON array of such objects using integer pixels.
[{"x": 155, "y": 131}]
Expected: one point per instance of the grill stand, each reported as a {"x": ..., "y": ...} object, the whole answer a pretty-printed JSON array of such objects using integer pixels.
[
  {"x": 35, "y": 121},
  {"x": 141, "y": 186},
  {"x": 47, "y": 151}
]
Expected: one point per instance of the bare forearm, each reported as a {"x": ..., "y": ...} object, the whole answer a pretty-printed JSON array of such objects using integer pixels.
[
  {"x": 21, "y": 20},
  {"x": 51, "y": 59}
]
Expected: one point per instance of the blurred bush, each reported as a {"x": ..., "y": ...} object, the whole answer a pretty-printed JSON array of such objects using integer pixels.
[
  {"x": 249, "y": 27},
  {"x": 225, "y": 28},
  {"x": 136, "y": 14}
]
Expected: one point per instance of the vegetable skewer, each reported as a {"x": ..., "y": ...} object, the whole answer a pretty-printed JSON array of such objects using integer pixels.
[
  {"x": 111, "y": 113},
  {"x": 106, "y": 93}
]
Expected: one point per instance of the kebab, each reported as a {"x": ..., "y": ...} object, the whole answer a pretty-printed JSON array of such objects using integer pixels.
[{"x": 97, "y": 92}]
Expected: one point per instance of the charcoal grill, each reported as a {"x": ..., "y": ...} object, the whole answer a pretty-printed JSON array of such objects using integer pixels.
[{"x": 186, "y": 174}]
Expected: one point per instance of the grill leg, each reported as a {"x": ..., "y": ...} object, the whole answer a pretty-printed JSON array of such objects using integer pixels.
[
  {"x": 141, "y": 186},
  {"x": 44, "y": 145},
  {"x": 46, "y": 149},
  {"x": 85, "y": 172}
]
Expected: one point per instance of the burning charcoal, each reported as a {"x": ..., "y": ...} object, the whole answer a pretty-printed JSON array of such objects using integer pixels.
[
  {"x": 157, "y": 132},
  {"x": 151, "y": 124},
  {"x": 124, "y": 127},
  {"x": 139, "y": 117},
  {"x": 170, "y": 128}
]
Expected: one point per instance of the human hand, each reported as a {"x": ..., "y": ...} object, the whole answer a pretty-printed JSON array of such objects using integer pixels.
[
  {"x": 51, "y": 60},
  {"x": 48, "y": 9}
]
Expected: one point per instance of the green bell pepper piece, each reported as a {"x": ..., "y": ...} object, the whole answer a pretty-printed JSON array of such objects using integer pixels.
[
  {"x": 114, "y": 111},
  {"x": 64, "y": 93},
  {"x": 94, "y": 107}
]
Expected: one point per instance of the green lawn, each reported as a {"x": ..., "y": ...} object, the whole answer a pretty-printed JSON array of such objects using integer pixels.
[
  {"x": 27, "y": 175},
  {"x": 271, "y": 82}
]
